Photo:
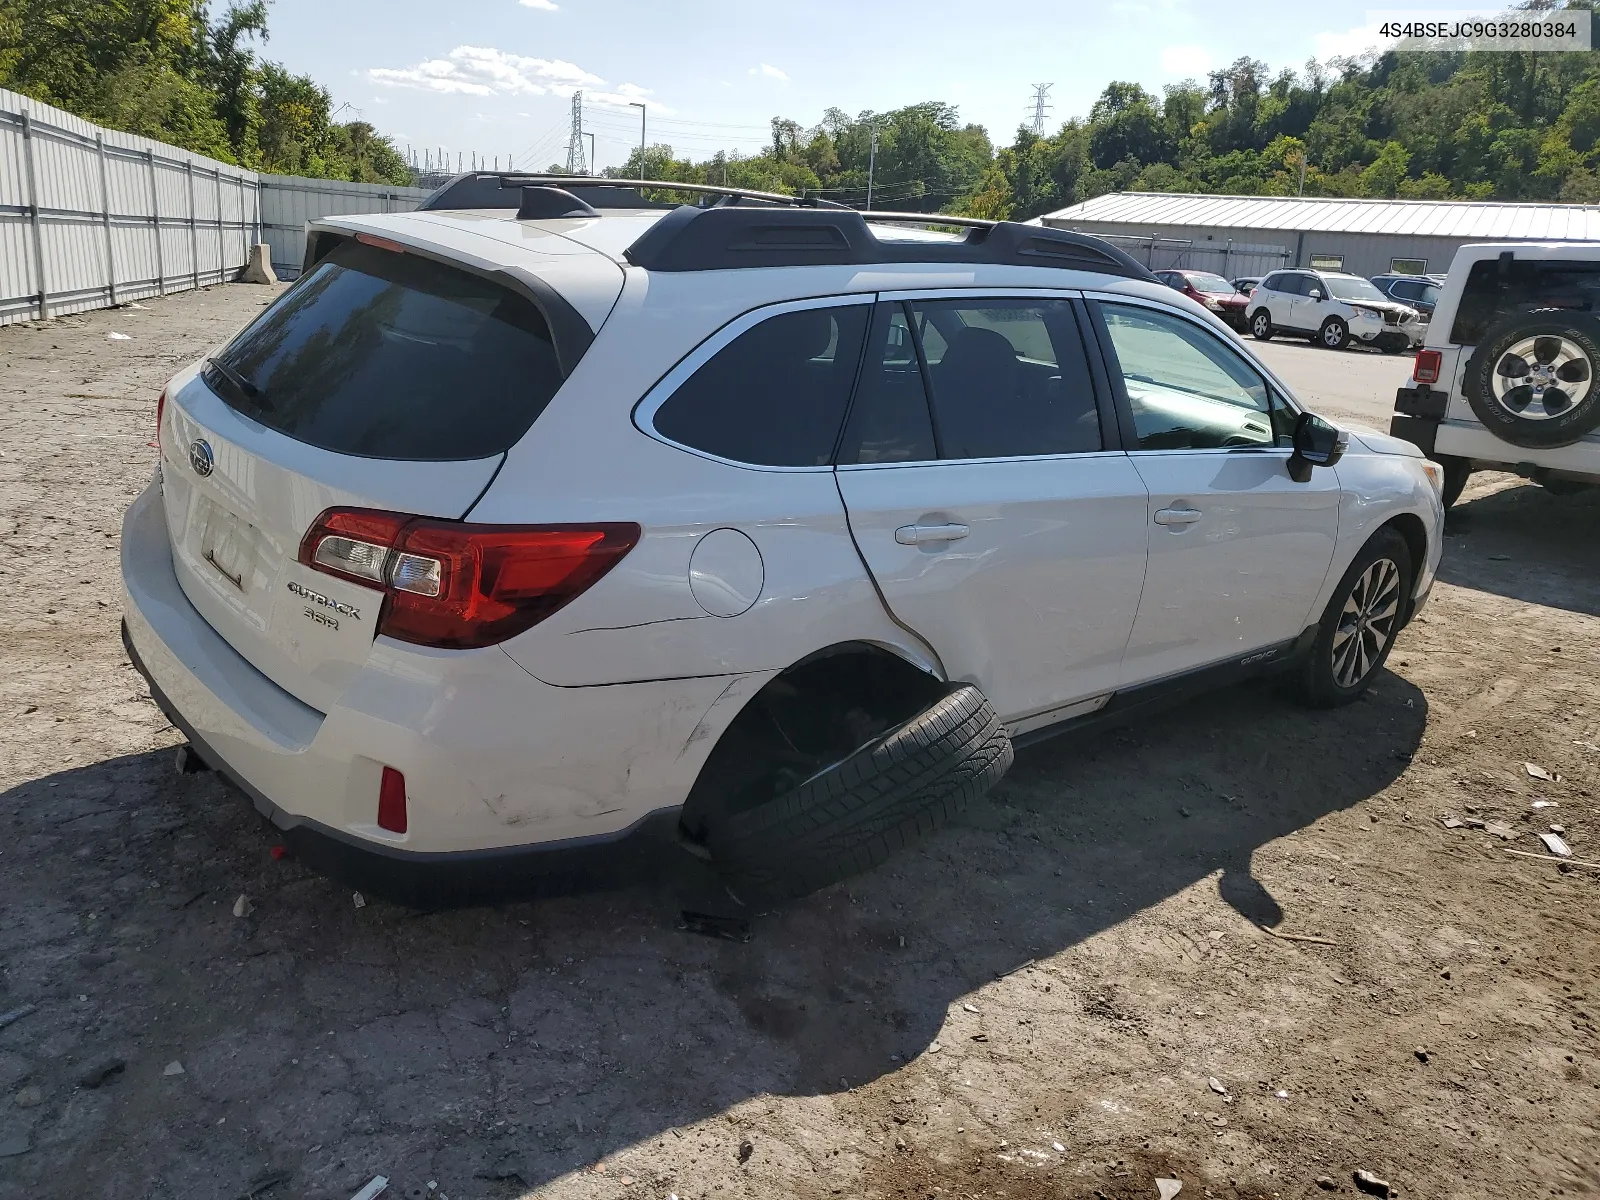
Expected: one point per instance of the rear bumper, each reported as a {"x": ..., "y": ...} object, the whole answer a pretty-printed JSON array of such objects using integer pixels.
[{"x": 505, "y": 775}]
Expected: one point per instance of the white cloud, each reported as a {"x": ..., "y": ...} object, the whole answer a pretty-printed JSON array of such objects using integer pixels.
[
  {"x": 1186, "y": 61},
  {"x": 1350, "y": 43},
  {"x": 770, "y": 71},
  {"x": 485, "y": 71},
  {"x": 542, "y": 5},
  {"x": 627, "y": 94}
]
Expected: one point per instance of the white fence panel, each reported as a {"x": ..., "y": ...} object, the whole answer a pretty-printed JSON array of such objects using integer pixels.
[
  {"x": 91, "y": 217},
  {"x": 288, "y": 202}
]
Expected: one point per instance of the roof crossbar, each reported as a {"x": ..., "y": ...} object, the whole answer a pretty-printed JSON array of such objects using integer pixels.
[{"x": 476, "y": 189}]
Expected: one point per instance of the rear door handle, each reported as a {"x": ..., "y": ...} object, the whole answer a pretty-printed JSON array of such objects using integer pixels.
[
  {"x": 922, "y": 535},
  {"x": 1177, "y": 516}
]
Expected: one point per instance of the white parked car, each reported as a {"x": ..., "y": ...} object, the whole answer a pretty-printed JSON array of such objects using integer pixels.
[
  {"x": 518, "y": 540},
  {"x": 1507, "y": 379},
  {"x": 1332, "y": 309}
]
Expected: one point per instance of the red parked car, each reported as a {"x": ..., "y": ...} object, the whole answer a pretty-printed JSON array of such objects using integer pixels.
[{"x": 1213, "y": 291}]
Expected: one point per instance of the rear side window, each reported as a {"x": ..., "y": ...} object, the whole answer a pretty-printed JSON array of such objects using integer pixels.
[
  {"x": 1274, "y": 283},
  {"x": 775, "y": 395},
  {"x": 1009, "y": 378},
  {"x": 1491, "y": 292},
  {"x": 395, "y": 356},
  {"x": 890, "y": 422}
]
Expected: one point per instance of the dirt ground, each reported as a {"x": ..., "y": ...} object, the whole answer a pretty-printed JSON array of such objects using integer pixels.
[{"x": 1069, "y": 994}]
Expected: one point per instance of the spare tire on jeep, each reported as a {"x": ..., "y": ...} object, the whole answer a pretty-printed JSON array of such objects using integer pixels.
[{"x": 1531, "y": 380}]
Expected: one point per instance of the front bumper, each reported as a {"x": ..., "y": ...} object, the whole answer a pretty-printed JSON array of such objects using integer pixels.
[{"x": 509, "y": 781}]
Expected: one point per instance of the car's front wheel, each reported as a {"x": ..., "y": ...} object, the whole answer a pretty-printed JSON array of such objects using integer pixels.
[
  {"x": 1334, "y": 334},
  {"x": 1261, "y": 324},
  {"x": 1359, "y": 625}
]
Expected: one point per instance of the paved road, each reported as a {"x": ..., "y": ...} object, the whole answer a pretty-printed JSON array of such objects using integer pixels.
[{"x": 1348, "y": 385}]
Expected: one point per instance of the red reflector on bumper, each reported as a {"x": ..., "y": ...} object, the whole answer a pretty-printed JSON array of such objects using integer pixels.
[{"x": 392, "y": 801}]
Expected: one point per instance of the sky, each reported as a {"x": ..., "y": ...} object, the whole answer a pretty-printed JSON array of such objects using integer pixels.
[{"x": 495, "y": 77}]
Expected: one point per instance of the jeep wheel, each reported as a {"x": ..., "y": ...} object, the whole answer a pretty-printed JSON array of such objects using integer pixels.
[
  {"x": 1358, "y": 627},
  {"x": 1334, "y": 334},
  {"x": 1532, "y": 379},
  {"x": 1261, "y": 325},
  {"x": 852, "y": 815}
]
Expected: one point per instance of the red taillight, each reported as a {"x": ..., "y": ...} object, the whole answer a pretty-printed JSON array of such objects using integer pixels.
[
  {"x": 455, "y": 585},
  {"x": 392, "y": 801},
  {"x": 381, "y": 243},
  {"x": 1429, "y": 363}
]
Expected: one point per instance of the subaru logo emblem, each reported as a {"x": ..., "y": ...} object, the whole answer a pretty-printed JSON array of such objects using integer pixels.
[{"x": 200, "y": 457}]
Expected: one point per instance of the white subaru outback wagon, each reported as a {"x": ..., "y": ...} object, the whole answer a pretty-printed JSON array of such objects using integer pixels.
[{"x": 549, "y": 525}]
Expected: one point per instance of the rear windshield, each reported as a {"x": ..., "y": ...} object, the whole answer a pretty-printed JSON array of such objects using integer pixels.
[
  {"x": 1494, "y": 289},
  {"x": 388, "y": 355}
]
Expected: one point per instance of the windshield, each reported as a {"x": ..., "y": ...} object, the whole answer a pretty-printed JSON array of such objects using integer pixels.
[
  {"x": 1348, "y": 287},
  {"x": 1210, "y": 283}
]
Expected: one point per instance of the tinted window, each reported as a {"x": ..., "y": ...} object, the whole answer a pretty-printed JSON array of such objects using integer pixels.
[
  {"x": 1491, "y": 293},
  {"x": 1275, "y": 283},
  {"x": 1405, "y": 289},
  {"x": 1189, "y": 391},
  {"x": 1009, "y": 378},
  {"x": 393, "y": 356},
  {"x": 775, "y": 395},
  {"x": 890, "y": 422},
  {"x": 1293, "y": 285}
]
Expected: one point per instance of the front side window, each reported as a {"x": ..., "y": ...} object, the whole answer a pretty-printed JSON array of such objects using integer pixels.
[
  {"x": 1188, "y": 390},
  {"x": 775, "y": 395},
  {"x": 1009, "y": 377},
  {"x": 395, "y": 356}
]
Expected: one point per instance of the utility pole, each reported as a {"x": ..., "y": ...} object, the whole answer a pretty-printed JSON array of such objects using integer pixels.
[
  {"x": 575, "y": 163},
  {"x": 872, "y": 161},
  {"x": 1040, "y": 91},
  {"x": 1301, "y": 191},
  {"x": 640, "y": 106}
]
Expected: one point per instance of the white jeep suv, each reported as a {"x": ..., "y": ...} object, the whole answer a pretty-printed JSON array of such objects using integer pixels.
[
  {"x": 1507, "y": 379},
  {"x": 1332, "y": 309},
  {"x": 542, "y": 525}
]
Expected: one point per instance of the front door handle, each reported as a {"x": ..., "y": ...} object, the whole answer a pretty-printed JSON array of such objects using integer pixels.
[
  {"x": 1177, "y": 516},
  {"x": 922, "y": 535}
]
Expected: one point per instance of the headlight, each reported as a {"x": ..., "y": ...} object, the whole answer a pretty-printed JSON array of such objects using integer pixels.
[
  {"x": 1368, "y": 315},
  {"x": 1213, "y": 305},
  {"x": 1435, "y": 474}
]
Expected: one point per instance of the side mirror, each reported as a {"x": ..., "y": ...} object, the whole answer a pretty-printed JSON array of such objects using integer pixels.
[
  {"x": 1317, "y": 443},
  {"x": 1316, "y": 293}
]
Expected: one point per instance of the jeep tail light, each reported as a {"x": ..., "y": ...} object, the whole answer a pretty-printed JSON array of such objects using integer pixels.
[
  {"x": 456, "y": 585},
  {"x": 392, "y": 801},
  {"x": 1429, "y": 363}
]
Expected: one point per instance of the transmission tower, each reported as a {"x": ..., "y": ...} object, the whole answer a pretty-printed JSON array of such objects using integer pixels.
[
  {"x": 1040, "y": 91},
  {"x": 576, "y": 164}
]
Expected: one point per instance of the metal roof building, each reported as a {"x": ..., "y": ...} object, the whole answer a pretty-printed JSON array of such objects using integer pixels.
[{"x": 1249, "y": 235}]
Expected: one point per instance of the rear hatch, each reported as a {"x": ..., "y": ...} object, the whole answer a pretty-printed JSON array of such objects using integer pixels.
[{"x": 384, "y": 379}]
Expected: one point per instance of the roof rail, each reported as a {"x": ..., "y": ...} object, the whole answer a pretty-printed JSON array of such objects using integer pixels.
[
  {"x": 723, "y": 238},
  {"x": 501, "y": 189}
]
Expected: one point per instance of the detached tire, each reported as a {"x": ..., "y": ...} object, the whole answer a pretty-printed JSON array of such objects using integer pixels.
[
  {"x": 1531, "y": 380},
  {"x": 858, "y": 812}
]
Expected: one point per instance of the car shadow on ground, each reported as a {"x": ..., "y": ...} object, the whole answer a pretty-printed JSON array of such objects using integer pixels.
[
  {"x": 1528, "y": 544},
  {"x": 496, "y": 1049}
]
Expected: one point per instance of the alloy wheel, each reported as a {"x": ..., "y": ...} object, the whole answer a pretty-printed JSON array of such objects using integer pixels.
[
  {"x": 1542, "y": 377},
  {"x": 1366, "y": 623}
]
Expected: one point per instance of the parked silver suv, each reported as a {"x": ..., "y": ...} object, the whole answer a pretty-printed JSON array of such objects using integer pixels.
[{"x": 1332, "y": 309}]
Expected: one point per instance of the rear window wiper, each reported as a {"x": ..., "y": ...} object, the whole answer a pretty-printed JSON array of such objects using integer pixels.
[{"x": 239, "y": 383}]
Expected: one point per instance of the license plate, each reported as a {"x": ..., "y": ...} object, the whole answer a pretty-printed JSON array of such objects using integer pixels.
[{"x": 227, "y": 547}]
